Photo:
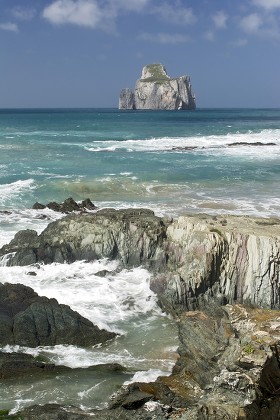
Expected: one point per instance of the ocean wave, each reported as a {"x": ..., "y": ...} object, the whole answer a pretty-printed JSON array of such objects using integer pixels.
[
  {"x": 15, "y": 189},
  {"x": 230, "y": 143},
  {"x": 114, "y": 299}
]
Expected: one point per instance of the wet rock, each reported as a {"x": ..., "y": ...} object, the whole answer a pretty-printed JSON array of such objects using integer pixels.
[
  {"x": 132, "y": 236},
  {"x": 196, "y": 260},
  {"x": 57, "y": 412},
  {"x": 245, "y": 143},
  {"x": 30, "y": 320},
  {"x": 68, "y": 206},
  {"x": 54, "y": 412},
  {"x": 17, "y": 365},
  {"x": 21, "y": 365}
]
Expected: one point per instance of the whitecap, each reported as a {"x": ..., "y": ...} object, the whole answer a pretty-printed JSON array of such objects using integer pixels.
[{"x": 8, "y": 192}]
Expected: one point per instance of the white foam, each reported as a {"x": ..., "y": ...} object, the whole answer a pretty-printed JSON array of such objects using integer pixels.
[
  {"x": 15, "y": 220},
  {"x": 213, "y": 143},
  {"x": 107, "y": 301},
  {"x": 8, "y": 192},
  {"x": 149, "y": 375}
]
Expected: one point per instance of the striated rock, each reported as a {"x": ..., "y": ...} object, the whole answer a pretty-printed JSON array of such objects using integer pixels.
[
  {"x": 30, "y": 320},
  {"x": 220, "y": 260},
  {"x": 156, "y": 90}
]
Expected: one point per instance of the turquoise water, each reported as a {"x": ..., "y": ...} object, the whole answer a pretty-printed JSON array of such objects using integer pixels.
[
  {"x": 208, "y": 160},
  {"x": 171, "y": 161}
]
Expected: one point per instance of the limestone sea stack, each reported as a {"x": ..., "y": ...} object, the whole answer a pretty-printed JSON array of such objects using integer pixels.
[{"x": 157, "y": 90}]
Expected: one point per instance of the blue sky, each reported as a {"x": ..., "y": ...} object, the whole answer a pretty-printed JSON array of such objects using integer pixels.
[{"x": 81, "y": 53}]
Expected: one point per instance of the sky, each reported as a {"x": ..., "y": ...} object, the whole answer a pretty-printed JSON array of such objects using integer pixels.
[{"x": 81, "y": 53}]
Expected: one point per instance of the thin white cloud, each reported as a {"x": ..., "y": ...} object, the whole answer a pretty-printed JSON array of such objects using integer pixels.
[
  {"x": 23, "y": 13},
  {"x": 8, "y": 26},
  {"x": 91, "y": 13},
  {"x": 164, "y": 38},
  {"x": 251, "y": 23},
  {"x": 267, "y": 4},
  {"x": 81, "y": 12},
  {"x": 220, "y": 20},
  {"x": 239, "y": 43},
  {"x": 265, "y": 26},
  {"x": 174, "y": 13},
  {"x": 129, "y": 5},
  {"x": 209, "y": 35}
]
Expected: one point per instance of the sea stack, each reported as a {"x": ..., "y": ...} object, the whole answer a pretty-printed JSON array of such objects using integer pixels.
[{"x": 157, "y": 90}]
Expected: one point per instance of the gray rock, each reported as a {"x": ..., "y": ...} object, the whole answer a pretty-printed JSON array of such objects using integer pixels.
[
  {"x": 156, "y": 90},
  {"x": 30, "y": 320},
  {"x": 132, "y": 236},
  {"x": 126, "y": 100}
]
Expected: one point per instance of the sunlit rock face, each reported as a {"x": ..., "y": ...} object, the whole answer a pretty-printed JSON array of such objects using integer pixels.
[{"x": 157, "y": 90}]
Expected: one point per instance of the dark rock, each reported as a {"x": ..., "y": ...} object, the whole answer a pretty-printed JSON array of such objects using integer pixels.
[
  {"x": 38, "y": 206},
  {"x": 17, "y": 365},
  {"x": 87, "y": 204},
  {"x": 68, "y": 206},
  {"x": 57, "y": 412},
  {"x": 53, "y": 412},
  {"x": 245, "y": 143},
  {"x": 102, "y": 273},
  {"x": 30, "y": 320}
]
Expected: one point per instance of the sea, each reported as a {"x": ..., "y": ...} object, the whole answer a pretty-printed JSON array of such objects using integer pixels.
[{"x": 214, "y": 161}]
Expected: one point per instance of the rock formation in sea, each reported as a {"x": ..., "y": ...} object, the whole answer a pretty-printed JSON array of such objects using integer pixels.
[
  {"x": 157, "y": 90},
  {"x": 218, "y": 275}
]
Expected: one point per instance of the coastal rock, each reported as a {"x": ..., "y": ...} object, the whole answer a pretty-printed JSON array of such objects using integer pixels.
[
  {"x": 220, "y": 260},
  {"x": 30, "y": 320},
  {"x": 228, "y": 369},
  {"x": 133, "y": 236},
  {"x": 156, "y": 90},
  {"x": 67, "y": 206},
  {"x": 14, "y": 366},
  {"x": 17, "y": 365},
  {"x": 211, "y": 272},
  {"x": 196, "y": 260},
  {"x": 126, "y": 100}
]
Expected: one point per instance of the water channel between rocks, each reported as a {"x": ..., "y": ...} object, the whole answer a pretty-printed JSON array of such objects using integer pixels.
[{"x": 122, "y": 302}]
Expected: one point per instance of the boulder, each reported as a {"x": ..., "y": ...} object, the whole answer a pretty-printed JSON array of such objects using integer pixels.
[
  {"x": 156, "y": 90},
  {"x": 30, "y": 320}
]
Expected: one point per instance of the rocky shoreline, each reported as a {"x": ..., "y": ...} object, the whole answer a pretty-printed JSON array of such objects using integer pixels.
[{"x": 217, "y": 275}]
